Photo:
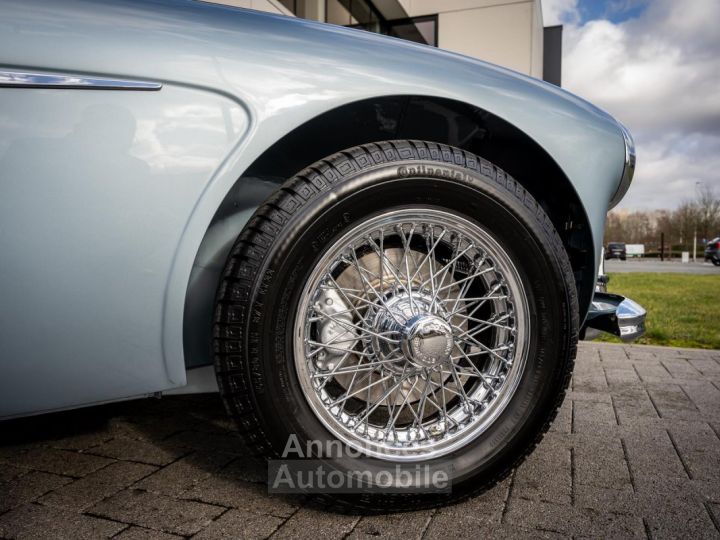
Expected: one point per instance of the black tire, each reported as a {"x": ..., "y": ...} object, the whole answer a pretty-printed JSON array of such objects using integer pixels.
[
  {"x": 259, "y": 293},
  {"x": 716, "y": 262}
]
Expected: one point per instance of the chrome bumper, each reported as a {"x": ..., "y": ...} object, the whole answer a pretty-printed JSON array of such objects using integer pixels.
[{"x": 617, "y": 315}]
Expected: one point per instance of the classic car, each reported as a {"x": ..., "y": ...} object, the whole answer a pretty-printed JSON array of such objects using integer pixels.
[{"x": 354, "y": 238}]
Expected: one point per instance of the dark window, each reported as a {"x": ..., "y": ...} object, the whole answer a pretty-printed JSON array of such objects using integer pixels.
[
  {"x": 290, "y": 4},
  {"x": 418, "y": 29},
  {"x": 355, "y": 13},
  {"x": 363, "y": 14}
]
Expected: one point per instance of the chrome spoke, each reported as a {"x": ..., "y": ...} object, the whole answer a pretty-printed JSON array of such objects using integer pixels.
[
  {"x": 410, "y": 330},
  {"x": 347, "y": 396},
  {"x": 366, "y": 331}
]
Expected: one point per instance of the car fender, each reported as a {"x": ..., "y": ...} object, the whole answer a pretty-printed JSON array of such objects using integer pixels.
[{"x": 284, "y": 72}]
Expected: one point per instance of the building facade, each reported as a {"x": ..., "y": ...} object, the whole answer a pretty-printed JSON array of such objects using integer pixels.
[{"x": 509, "y": 33}]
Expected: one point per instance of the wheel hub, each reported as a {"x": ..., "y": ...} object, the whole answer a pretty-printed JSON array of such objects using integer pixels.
[
  {"x": 427, "y": 341},
  {"x": 411, "y": 339},
  {"x": 418, "y": 323}
]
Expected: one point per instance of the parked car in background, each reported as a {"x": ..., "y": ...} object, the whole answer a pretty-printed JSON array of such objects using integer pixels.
[
  {"x": 712, "y": 251},
  {"x": 359, "y": 241},
  {"x": 616, "y": 250}
]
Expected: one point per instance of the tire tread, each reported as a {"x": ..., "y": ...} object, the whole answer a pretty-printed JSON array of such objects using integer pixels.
[{"x": 264, "y": 228}]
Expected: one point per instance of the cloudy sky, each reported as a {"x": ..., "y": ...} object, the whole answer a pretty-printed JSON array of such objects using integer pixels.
[{"x": 654, "y": 65}]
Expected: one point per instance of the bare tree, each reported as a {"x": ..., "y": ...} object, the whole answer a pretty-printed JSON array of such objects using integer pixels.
[
  {"x": 685, "y": 221},
  {"x": 708, "y": 209},
  {"x": 701, "y": 216}
]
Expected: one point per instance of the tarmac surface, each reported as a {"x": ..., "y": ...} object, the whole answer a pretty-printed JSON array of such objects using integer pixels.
[{"x": 654, "y": 265}]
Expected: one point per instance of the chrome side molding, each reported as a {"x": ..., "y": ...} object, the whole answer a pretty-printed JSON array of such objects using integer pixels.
[{"x": 24, "y": 79}]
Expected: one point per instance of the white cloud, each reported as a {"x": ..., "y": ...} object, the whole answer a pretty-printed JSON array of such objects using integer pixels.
[
  {"x": 658, "y": 73},
  {"x": 560, "y": 12}
]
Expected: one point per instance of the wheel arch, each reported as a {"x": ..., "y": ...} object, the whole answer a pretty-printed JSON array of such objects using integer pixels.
[{"x": 426, "y": 118}]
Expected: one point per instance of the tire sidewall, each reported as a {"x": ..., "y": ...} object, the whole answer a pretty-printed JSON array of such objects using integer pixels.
[{"x": 327, "y": 216}]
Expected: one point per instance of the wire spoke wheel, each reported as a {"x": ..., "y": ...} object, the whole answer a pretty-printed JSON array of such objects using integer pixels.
[
  {"x": 398, "y": 306},
  {"x": 410, "y": 337}
]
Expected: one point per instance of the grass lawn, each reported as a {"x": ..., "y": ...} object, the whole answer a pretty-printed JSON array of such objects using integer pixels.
[{"x": 683, "y": 309}]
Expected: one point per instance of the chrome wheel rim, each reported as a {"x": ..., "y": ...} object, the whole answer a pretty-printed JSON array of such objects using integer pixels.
[{"x": 410, "y": 337}]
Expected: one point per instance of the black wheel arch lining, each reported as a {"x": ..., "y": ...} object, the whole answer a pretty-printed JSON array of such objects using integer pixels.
[{"x": 423, "y": 118}]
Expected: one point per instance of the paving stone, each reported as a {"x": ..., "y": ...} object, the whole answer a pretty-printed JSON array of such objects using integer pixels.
[
  {"x": 672, "y": 402},
  {"x": 412, "y": 525},
  {"x": 639, "y": 355},
  {"x": 593, "y": 417},
  {"x": 680, "y": 368},
  {"x": 696, "y": 353},
  {"x": 147, "y": 429},
  {"x": 81, "y": 441},
  {"x": 443, "y": 526},
  {"x": 60, "y": 461},
  {"x": 9, "y": 451},
  {"x": 157, "y": 512},
  {"x": 598, "y": 397},
  {"x": 487, "y": 507},
  {"x": 224, "y": 424},
  {"x": 185, "y": 473},
  {"x": 228, "y": 442},
  {"x": 591, "y": 351},
  {"x": 612, "y": 355},
  {"x": 699, "y": 450},
  {"x": 247, "y": 469},
  {"x": 706, "y": 366},
  {"x": 601, "y": 499},
  {"x": 230, "y": 492},
  {"x": 40, "y": 522},
  {"x": 570, "y": 520},
  {"x": 652, "y": 372},
  {"x": 10, "y": 472},
  {"x": 318, "y": 523},
  {"x": 29, "y": 487},
  {"x": 714, "y": 513},
  {"x": 665, "y": 493},
  {"x": 706, "y": 491},
  {"x": 563, "y": 420},
  {"x": 622, "y": 376},
  {"x": 590, "y": 382},
  {"x": 138, "y": 533},
  {"x": 690, "y": 522},
  {"x": 705, "y": 396},
  {"x": 587, "y": 364},
  {"x": 152, "y": 453},
  {"x": 545, "y": 475},
  {"x": 608, "y": 462},
  {"x": 651, "y": 453},
  {"x": 601, "y": 463},
  {"x": 236, "y": 524},
  {"x": 98, "y": 485},
  {"x": 632, "y": 404}
]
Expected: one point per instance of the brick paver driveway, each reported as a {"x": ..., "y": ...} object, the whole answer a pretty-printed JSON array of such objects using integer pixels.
[{"x": 635, "y": 451}]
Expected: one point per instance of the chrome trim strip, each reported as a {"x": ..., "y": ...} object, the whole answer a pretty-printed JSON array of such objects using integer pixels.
[
  {"x": 628, "y": 170},
  {"x": 23, "y": 79}
]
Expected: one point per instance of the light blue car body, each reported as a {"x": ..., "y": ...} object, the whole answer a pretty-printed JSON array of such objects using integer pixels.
[{"x": 106, "y": 196}]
